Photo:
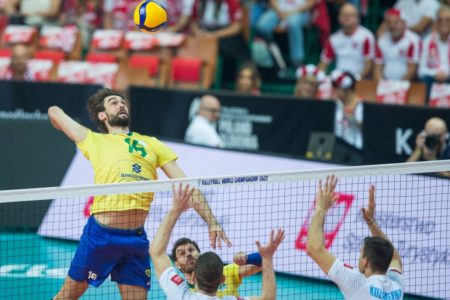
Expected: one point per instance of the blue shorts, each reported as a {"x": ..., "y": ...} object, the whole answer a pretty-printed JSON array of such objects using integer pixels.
[{"x": 102, "y": 251}]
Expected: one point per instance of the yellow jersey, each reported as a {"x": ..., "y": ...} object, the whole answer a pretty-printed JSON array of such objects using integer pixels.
[
  {"x": 232, "y": 282},
  {"x": 124, "y": 158}
]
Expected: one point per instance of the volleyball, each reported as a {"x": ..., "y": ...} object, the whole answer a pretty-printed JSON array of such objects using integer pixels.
[{"x": 150, "y": 16}]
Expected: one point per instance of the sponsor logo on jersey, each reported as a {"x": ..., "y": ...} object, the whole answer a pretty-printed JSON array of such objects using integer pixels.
[
  {"x": 176, "y": 279},
  {"x": 348, "y": 266}
]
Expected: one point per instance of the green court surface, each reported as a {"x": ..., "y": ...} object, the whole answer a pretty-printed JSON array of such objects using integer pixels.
[{"x": 32, "y": 267}]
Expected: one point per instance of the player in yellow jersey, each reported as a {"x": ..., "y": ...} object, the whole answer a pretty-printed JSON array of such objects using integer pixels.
[
  {"x": 114, "y": 241},
  {"x": 185, "y": 253}
]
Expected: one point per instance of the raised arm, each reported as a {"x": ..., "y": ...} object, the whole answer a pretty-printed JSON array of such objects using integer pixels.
[
  {"x": 315, "y": 246},
  {"x": 74, "y": 130},
  {"x": 269, "y": 287},
  {"x": 161, "y": 239},
  {"x": 216, "y": 234},
  {"x": 368, "y": 215}
]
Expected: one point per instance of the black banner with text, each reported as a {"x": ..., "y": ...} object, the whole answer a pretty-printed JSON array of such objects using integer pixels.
[
  {"x": 269, "y": 124},
  {"x": 390, "y": 131}
]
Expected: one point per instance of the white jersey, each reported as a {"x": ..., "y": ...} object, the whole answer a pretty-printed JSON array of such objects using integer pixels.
[
  {"x": 202, "y": 132},
  {"x": 396, "y": 55},
  {"x": 414, "y": 10},
  {"x": 176, "y": 288},
  {"x": 354, "y": 285},
  {"x": 350, "y": 51},
  {"x": 435, "y": 56}
]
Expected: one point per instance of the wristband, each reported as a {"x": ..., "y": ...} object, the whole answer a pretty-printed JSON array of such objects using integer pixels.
[{"x": 254, "y": 259}]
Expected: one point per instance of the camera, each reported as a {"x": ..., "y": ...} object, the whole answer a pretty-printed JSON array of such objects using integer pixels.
[{"x": 432, "y": 141}]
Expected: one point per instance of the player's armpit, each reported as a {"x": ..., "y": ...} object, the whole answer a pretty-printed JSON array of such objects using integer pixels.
[{"x": 323, "y": 258}]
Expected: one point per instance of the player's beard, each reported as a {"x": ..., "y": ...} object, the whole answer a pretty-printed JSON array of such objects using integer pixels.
[
  {"x": 189, "y": 266},
  {"x": 118, "y": 120}
]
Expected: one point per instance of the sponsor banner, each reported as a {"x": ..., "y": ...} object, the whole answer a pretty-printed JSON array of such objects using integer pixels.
[
  {"x": 38, "y": 97},
  {"x": 251, "y": 123},
  {"x": 248, "y": 212}
]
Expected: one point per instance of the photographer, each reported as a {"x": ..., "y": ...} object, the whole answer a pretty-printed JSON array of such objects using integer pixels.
[{"x": 432, "y": 142}]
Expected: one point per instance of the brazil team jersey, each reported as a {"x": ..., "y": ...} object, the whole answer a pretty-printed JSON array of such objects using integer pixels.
[
  {"x": 124, "y": 158},
  {"x": 232, "y": 281}
]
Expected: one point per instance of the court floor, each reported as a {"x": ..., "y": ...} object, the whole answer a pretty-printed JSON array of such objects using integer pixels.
[{"x": 32, "y": 267}]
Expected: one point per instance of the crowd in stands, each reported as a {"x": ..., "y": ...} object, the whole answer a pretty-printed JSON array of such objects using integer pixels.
[{"x": 410, "y": 46}]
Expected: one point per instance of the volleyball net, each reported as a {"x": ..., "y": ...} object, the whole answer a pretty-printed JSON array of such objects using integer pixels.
[{"x": 412, "y": 208}]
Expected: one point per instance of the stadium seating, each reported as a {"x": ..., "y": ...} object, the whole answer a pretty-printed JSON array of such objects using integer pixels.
[
  {"x": 195, "y": 63},
  {"x": 58, "y": 43},
  {"x": 106, "y": 46},
  {"x": 367, "y": 90}
]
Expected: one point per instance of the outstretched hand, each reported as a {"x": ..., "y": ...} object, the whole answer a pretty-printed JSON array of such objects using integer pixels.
[
  {"x": 326, "y": 197},
  {"x": 274, "y": 241},
  {"x": 217, "y": 235},
  {"x": 182, "y": 198},
  {"x": 368, "y": 213}
]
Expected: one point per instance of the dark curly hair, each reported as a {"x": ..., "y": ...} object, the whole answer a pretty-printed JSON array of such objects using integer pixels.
[
  {"x": 96, "y": 104},
  {"x": 181, "y": 242}
]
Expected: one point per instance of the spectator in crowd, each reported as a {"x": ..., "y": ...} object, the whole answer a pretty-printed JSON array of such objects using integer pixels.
[
  {"x": 398, "y": 49},
  {"x": 445, "y": 4},
  {"x": 118, "y": 14},
  {"x": 179, "y": 14},
  {"x": 292, "y": 15},
  {"x": 309, "y": 78},
  {"x": 353, "y": 46},
  {"x": 18, "y": 68},
  {"x": 434, "y": 61},
  {"x": 256, "y": 9},
  {"x": 86, "y": 15},
  {"x": 349, "y": 108},
  {"x": 222, "y": 20},
  {"x": 8, "y": 8},
  {"x": 432, "y": 142},
  {"x": 420, "y": 14},
  {"x": 248, "y": 80},
  {"x": 333, "y": 7},
  {"x": 202, "y": 130},
  {"x": 40, "y": 12}
]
